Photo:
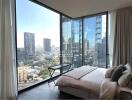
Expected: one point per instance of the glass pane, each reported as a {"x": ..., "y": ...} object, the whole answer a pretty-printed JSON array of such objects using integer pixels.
[
  {"x": 72, "y": 42},
  {"x": 67, "y": 40},
  {"x": 77, "y": 43},
  {"x": 95, "y": 41},
  {"x": 38, "y": 42}
]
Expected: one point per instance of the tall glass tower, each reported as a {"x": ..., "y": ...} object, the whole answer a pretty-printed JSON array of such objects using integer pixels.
[
  {"x": 29, "y": 45},
  {"x": 98, "y": 41}
]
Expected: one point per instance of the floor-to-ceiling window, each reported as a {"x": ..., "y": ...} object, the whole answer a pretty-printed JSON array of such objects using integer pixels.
[
  {"x": 72, "y": 41},
  {"x": 94, "y": 29},
  {"x": 66, "y": 40},
  {"x": 77, "y": 43},
  {"x": 85, "y": 41},
  {"x": 38, "y": 42}
]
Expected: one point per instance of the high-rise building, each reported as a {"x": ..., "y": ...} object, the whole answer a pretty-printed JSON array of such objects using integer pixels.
[
  {"x": 98, "y": 41},
  {"x": 29, "y": 45},
  {"x": 47, "y": 45},
  {"x": 103, "y": 60},
  {"x": 72, "y": 42},
  {"x": 98, "y": 34},
  {"x": 20, "y": 55}
]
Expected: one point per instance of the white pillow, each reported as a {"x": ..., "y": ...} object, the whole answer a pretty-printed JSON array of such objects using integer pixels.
[
  {"x": 123, "y": 81},
  {"x": 129, "y": 67}
]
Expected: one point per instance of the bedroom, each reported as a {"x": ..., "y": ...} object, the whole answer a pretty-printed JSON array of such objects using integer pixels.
[{"x": 84, "y": 36}]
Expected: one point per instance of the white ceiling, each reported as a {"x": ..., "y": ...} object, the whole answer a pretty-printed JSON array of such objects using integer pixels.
[{"x": 78, "y": 8}]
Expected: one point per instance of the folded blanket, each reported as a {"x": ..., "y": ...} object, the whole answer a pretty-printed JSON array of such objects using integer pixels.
[
  {"x": 108, "y": 90},
  {"x": 80, "y": 72}
]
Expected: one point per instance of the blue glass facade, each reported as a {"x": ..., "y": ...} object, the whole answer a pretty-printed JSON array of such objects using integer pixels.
[
  {"x": 72, "y": 41},
  {"x": 95, "y": 51},
  {"x": 92, "y": 49}
]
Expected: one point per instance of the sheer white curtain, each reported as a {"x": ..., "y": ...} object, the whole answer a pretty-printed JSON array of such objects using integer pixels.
[
  {"x": 8, "y": 79},
  {"x": 112, "y": 25}
]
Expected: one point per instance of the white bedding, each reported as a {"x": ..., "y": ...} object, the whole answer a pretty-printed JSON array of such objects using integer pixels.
[
  {"x": 90, "y": 82},
  {"x": 80, "y": 72}
]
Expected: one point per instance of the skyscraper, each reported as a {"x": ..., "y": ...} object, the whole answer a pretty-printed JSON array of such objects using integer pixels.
[
  {"x": 47, "y": 45},
  {"x": 98, "y": 34},
  {"x": 72, "y": 41},
  {"x": 98, "y": 42},
  {"x": 29, "y": 45}
]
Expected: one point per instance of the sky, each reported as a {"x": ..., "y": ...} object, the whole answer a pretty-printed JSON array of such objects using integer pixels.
[{"x": 36, "y": 19}]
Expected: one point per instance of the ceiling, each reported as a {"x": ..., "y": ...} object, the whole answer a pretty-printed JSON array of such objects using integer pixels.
[{"x": 78, "y": 8}]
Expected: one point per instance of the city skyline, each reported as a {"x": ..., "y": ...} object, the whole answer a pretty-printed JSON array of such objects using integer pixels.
[
  {"x": 38, "y": 46},
  {"x": 41, "y": 21}
]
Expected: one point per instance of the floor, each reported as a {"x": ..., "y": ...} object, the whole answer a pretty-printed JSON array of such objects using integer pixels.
[{"x": 45, "y": 92}]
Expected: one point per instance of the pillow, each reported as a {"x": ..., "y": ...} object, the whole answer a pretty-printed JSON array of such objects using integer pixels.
[
  {"x": 118, "y": 72},
  {"x": 109, "y": 72},
  {"x": 123, "y": 80},
  {"x": 128, "y": 66}
]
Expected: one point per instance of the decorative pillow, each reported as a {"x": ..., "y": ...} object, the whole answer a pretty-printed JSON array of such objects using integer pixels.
[
  {"x": 125, "y": 72},
  {"x": 109, "y": 72},
  {"x": 129, "y": 67},
  {"x": 118, "y": 72},
  {"x": 124, "y": 80}
]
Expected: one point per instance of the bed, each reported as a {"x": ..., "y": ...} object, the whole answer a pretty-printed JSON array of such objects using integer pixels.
[{"x": 85, "y": 82}]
